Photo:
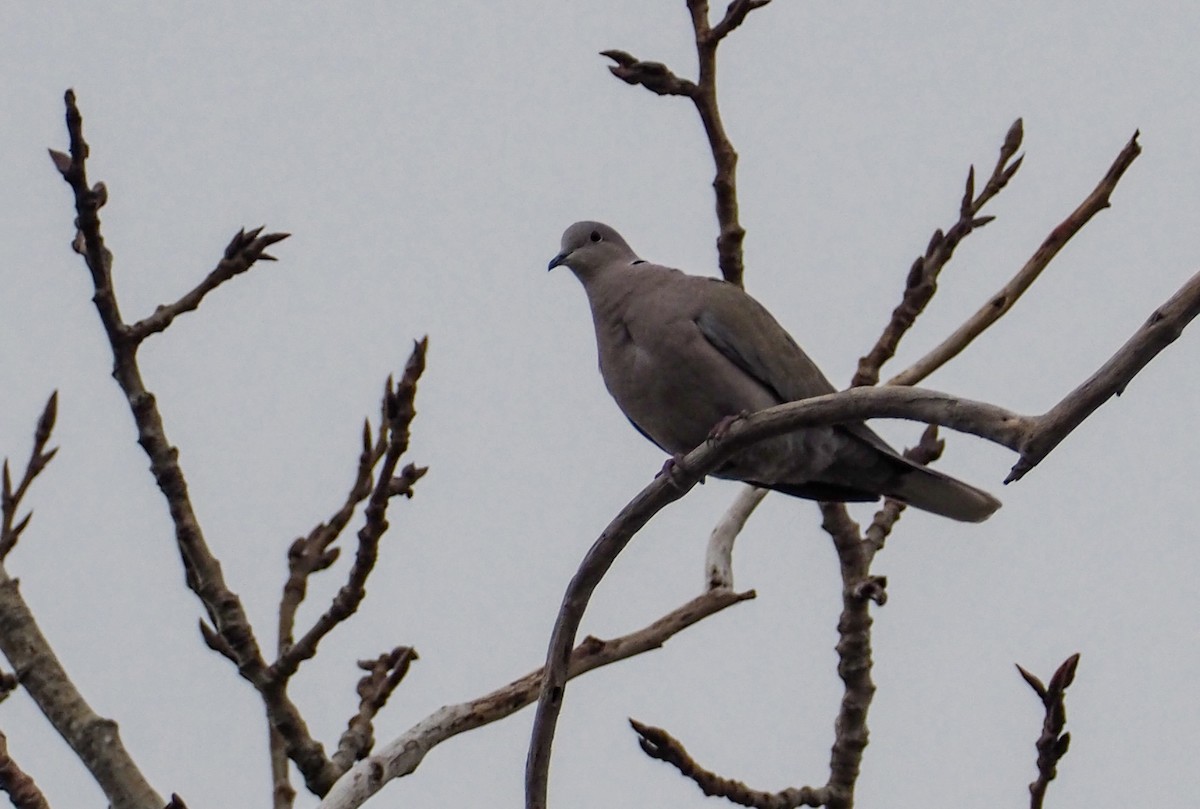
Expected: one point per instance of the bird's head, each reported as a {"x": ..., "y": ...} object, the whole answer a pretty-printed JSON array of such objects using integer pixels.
[{"x": 589, "y": 246}]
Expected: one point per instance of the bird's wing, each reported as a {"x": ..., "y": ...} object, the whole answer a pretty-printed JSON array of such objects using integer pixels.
[{"x": 751, "y": 338}]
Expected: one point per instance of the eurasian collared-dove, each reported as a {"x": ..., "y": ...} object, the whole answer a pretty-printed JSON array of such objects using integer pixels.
[{"x": 680, "y": 353}]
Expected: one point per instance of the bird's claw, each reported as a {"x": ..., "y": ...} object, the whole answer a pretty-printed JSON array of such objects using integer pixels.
[
  {"x": 721, "y": 428},
  {"x": 675, "y": 471}
]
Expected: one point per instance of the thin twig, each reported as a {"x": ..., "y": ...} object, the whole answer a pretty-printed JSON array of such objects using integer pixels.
[
  {"x": 927, "y": 450},
  {"x": 1052, "y": 744},
  {"x": 384, "y": 675},
  {"x": 404, "y": 754},
  {"x": 399, "y": 412},
  {"x": 658, "y": 78},
  {"x": 18, "y": 784},
  {"x": 658, "y": 744},
  {"x": 243, "y": 251},
  {"x": 921, "y": 283},
  {"x": 10, "y": 498},
  {"x": 312, "y": 554},
  {"x": 1001, "y": 302},
  {"x": 202, "y": 571},
  {"x": 306, "y": 556},
  {"x": 718, "y": 556}
]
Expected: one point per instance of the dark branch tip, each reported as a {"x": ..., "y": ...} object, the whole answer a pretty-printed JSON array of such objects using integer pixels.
[
  {"x": 1032, "y": 680},
  {"x": 61, "y": 160},
  {"x": 622, "y": 58},
  {"x": 46, "y": 423}
]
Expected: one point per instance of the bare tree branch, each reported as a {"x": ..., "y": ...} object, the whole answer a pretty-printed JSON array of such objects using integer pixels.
[
  {"x": 94, "y": 739},
  {"x": 859, "y": 590},
  {"x": 306, "y": 556},
  {"x": 202, "y": 570},
  {"x": 921, "y": 283},
  {"x": 657, "y": 743},
  {"x": 404, "y": 754},
  {"x": 718, "y": 557},
  {"x": 10, "y": 498},
  {"x": 658, "y": 78},
  {"x": 1161, "y": 329},
  {"x": 654, "y": 76},
  {"x": 735, "y": 15},
  {"x": 19, "y": 785},
  {"x": 383, "y": 676},
  {"x": 398, "y": 415},
  {"x": 243, "y": 251},
  {"x": 999, "y": 304},
  {"x": 1034, "y": 437},
  {"x": 1052, "y": 744},
  {"x": 927, "y": 450}
]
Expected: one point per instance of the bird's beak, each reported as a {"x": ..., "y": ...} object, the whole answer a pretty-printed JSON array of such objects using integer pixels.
[{"x": 558, "y": 260}]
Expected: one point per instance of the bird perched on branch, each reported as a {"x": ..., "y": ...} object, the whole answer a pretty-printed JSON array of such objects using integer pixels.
[{"x": 682, "y": 353}]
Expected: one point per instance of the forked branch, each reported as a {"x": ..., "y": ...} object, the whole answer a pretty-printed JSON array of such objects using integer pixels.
[
  {"x": 94, "y": 739},
  {"x": 921, "y": 283},
  {"x": 404, "y": 754},
  {"x": 1033, "y": 437},
  {"x": 658, "y": 78},
  {"x": 1052, "y": 744}
]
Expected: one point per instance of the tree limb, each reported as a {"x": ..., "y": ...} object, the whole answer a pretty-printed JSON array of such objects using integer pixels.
[
  {"x": 202, "y": 570},
  {"x": 404, "y": 754},
  {"x": 718, "y": 556},
  {"x": 1033, "y": 437},
  {"x": 999, "y": 304},
  {"x": 658, "y": 78},
  {"x": 18, "y": 784},
  {"x": 10, "y": 498},
  {"x": 94, "y": 739},
  {"x": 243, "y": 251},
  {"x": 921, "y": 283},
  {"x": 658, "y": 744},
  {"x": 1052, "y": 744}
]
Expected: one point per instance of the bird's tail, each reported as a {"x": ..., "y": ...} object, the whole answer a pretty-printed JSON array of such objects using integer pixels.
[{"x": 930, "y": 490}]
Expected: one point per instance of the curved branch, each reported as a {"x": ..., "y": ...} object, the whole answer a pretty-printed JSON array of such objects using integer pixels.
[
  {"x": 1034, "y": 437},
  {"x": 985, "y": 420},
  {"x": 718, "y": 556},
  {"x": 404, "y": 754}
]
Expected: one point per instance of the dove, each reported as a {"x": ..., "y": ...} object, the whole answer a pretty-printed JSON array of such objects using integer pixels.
[{"x": 682, "y": 354}]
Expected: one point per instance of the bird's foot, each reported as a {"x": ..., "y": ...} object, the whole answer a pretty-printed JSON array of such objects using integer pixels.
[
  {"x": 675, "y": 471},
  {"x": 721, "y": 428}
]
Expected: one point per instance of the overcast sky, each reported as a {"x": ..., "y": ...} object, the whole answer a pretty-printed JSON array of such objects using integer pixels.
[{"x": 426, "y": 158}]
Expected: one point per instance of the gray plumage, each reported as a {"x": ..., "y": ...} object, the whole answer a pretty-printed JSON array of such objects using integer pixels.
[{"x": 679, "y": 353}]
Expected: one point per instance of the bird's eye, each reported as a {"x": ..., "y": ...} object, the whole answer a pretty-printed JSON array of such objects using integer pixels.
[{"x": 595, "y": 236}]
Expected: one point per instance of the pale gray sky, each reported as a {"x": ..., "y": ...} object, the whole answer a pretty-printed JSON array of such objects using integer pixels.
[{"x": 426, "y": 158}]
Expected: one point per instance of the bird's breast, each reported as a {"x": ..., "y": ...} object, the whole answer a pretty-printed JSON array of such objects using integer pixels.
[{"x": 669, "y": 381}]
